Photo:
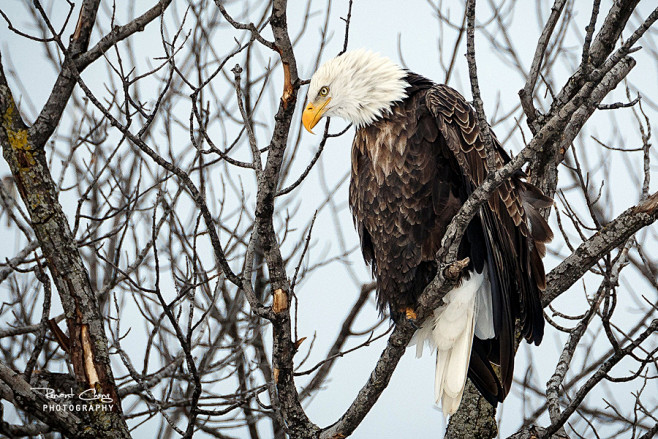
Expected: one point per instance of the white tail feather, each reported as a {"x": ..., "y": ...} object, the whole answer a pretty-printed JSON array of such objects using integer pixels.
[
  {"x": 451, "y": 331},
  {"x": 484, "y": 325}
]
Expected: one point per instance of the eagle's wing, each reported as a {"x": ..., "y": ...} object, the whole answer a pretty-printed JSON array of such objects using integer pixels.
[{"x": 514, "y": 231}]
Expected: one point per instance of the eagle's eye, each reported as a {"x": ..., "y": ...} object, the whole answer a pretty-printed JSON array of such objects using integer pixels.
[{"x": 324, "y": 91}]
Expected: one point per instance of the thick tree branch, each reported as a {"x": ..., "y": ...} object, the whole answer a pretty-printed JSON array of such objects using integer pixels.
[
  {"x": 52, "y": 111},
  {"x": 120, "y": 33},
  {"x": 475, "y": 417},
  {"x": 89, "y": 352},
  {"x": 284, "y": 347},
  {"x": 600, "y": 49}
]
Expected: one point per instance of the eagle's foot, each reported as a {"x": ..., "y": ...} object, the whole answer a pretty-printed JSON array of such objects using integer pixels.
[{"x": 408, "y": 314}]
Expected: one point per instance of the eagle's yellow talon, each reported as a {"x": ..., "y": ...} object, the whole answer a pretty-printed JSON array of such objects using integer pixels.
[{"x": 410, "y": 313}]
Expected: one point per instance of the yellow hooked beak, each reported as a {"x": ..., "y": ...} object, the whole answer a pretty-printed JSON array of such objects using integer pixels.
[{"x": 313, "y": 114}]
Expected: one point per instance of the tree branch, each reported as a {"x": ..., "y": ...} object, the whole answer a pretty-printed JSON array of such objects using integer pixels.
[{"x": 589, "y": 252}]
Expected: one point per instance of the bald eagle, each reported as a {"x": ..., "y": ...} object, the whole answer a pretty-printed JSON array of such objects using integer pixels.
[{"x": 416, "y": 157}]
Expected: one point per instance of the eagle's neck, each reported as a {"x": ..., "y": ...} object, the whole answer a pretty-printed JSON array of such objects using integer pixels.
[
  {"x": 375, "y": 101},
  {"x": 382, "y": 96},
  {"x": 367, "y": 88}
]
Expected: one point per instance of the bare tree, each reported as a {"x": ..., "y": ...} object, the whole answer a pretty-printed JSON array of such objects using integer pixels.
[{"x": 161, "y": 254}]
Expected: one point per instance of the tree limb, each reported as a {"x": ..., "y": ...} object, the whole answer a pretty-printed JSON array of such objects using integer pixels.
[{"x": 589, "y": 252}]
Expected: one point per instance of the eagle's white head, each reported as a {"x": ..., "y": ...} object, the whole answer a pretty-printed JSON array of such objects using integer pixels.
[{"x": 358, "y": 86}]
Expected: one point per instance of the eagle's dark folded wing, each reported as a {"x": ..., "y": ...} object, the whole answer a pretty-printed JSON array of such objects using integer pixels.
[{"x": 514, "y": 230}]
